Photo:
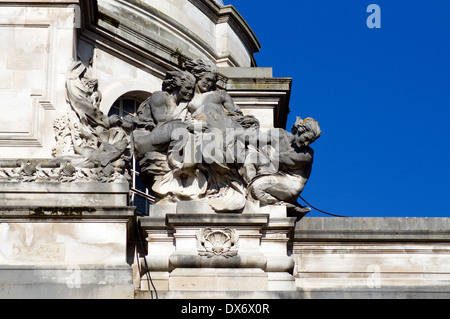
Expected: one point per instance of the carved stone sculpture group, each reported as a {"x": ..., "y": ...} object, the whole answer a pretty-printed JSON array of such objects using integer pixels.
[{"x": 191, "y": 141}]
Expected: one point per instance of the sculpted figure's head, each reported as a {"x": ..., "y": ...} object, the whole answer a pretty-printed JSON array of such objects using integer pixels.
[
  {"x": 204, "y": 71},
  {"x": 180, "y": 83},
  {"x": 305, "y": 132}
]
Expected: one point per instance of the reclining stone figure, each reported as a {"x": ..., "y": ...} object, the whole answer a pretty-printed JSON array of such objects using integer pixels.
[{"x": 183, "y": 135}]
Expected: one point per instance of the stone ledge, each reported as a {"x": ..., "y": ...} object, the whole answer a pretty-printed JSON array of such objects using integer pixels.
[
  {"x": 372, "y": 229},
  {"x": 427, "y": 292},
  {"x": 246, "y": 72},
  {"x": 83, "y": 194},
  {"x": 39, "y": 212},
  {"x": 43, "y": 186},
  {"x": 231, "y": 220},
  {"x": 400, "y": 292},
  {"x": 230, "y": 295}
]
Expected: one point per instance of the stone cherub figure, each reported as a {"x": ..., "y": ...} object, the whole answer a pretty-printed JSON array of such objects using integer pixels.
[
  {"x": 170, "y": 175},
  {"x": 214, "y": 110},
  {"x": 277, "y": 174},
  {"x": 187, "y": 117},
  {"x": 162, "y": 113},
  {"x": 213, "y": 107}
]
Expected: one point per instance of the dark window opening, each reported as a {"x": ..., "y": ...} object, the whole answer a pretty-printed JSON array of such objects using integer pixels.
[{"x": 140, "y": 196}]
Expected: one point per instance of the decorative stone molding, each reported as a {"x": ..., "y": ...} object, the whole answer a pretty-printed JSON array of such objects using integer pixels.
[
  {"x": 228, "y": 39},
  {"x": 212, "y": 243},
  {"x": 52, "y": 171}
]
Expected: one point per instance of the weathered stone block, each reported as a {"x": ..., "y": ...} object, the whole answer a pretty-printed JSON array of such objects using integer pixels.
[{"x": 218, "y": 280}]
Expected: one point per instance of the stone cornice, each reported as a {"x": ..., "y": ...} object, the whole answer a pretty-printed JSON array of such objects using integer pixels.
[{"x": 229, "y": 14}]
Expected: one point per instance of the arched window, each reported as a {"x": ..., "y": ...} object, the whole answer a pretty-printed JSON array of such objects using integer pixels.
[{"x": 140, "y": 196}]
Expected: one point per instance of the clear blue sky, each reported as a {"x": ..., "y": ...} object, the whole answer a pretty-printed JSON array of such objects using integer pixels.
[{"x": 381, "y": 96}]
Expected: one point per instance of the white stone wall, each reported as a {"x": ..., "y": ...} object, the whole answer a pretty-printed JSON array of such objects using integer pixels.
[
  {"x": 63, "y": 243},
  {"x": 228, "y": 43},
  {"x": 37, "y": 46},
  {"x": 189, "y": 15},
  {"x": 377, "y": 265},
  {"x": 372, "y": 253}
]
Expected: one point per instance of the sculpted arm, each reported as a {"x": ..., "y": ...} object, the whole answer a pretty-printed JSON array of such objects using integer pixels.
[
  {"x": 229, "y": 105},
  {"x": 297, "y": 157},
  {"x": 157, "y": 105}
]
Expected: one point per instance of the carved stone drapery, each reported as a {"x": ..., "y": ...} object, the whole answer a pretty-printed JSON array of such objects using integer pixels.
[{"x": 97, "y": 146}]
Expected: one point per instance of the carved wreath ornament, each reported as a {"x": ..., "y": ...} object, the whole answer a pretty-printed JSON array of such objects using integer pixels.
[{"x": 212, "y": 243}]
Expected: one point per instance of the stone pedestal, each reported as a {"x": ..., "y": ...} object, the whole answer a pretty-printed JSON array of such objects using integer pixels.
[{"x": 190, "y": 248}]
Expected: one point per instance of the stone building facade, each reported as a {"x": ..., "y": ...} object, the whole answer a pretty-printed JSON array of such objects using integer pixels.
[{"x": 78, "y": 220}]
